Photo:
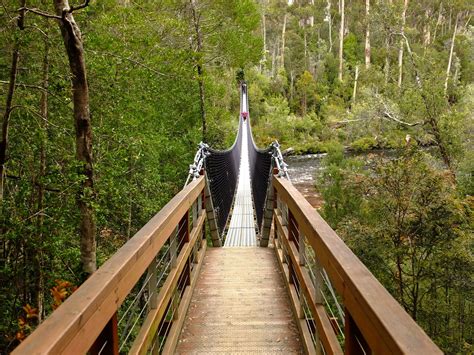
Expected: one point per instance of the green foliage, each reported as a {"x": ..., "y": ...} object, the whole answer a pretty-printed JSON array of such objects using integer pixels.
[
  {"x": 144, "y": 102},
  {"x": 407, "y": 224},
  {"x": 364, "y": 144},
  {"x": 338, "y": 185}
]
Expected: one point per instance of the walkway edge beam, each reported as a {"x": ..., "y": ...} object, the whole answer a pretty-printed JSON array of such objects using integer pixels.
[
  {"x": 77, "y": 323},
  {"x": 383, "y": 323}
]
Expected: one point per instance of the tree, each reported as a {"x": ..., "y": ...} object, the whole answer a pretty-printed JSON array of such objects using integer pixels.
[
  {"x": 305, "y": 88},
  {"x": 407, "y": 224},
  {"x": 341, "y": 41},
  {"x": 9, "y": 100},
  {"x": 82, "y": 122},
  {"x": 367, "y": 34},
  {"x": 402, "y": 43}
]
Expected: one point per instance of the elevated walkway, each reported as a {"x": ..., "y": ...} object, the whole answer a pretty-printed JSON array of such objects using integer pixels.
[
  {"x": 241, "y": 231},
  {"x": 165, "y": 291},
  {"x": 239, "y": 304}
]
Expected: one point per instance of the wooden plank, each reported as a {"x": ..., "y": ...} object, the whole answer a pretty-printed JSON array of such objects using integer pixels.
[
  {"x": 85, "y": 313},
  {"x": 149, "y": 327},
  {"x": 325, "y": 330},
  {"x": 296, "y": 307},
  {"x": 107, "y": 343},
  {"x": 173, "y": 336},
  {"x": 239, "y": 305},
  {"x": 382, "y": 321}
]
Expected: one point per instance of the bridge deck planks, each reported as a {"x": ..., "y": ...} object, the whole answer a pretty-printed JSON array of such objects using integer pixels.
[
  {"x": 239, "y": 305},
  {"x": 242, "y": 224}
]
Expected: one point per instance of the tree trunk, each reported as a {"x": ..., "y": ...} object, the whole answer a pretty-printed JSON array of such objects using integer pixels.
[
  {"x": 306, "y": 59},
  {"x": 402, "y": 45},
  {"x": 401, "y": 293},
  {"x": 387, "y": 59},
  {"x": 427, "y": 29},
  {"x": 283, "y": 34},
  {"x": 82, "y": 121},
  {"x": 264, "y": 30},
  {"x": 367, "y": 34},
  {"x": 341, "y": 41},
  {"x": 450, "y": 60},
  {"x": 354, "y": 93},
  {"x": 329, "y": 18},
  {"x": 9, "y": 101},
  {"x": 273, "y": 61},
  {"x": 6, "y": 116},
  {"x": 200, "y": 69},
  {"x": 440, "y": 17},
  {"x": 41, "y": 176}
]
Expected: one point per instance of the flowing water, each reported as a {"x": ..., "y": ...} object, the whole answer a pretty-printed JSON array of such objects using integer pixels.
[{"x": 304, "y": 170}]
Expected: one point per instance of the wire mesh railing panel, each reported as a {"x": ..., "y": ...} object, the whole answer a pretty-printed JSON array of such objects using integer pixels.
[{"x": 222, "y": 168}]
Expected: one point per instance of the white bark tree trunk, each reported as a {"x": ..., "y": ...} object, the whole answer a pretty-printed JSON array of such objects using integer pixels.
[
  {"x": 283, "y": 33},
  {"x": 354, "y": 93},
  {"x": 402, "y": 45},
  {"x": 341, "y": 41},
  {"x": 329, "y": 18},
  {"x": 450, "y": 60},
  {"x": 367, "y": 34},
  {"x": 438, "y": 22}
]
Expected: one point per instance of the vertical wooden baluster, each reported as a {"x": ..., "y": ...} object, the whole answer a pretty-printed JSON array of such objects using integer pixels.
[
  {"x": 194, "y": 210},
  {"x": 174, "y": 247},
  {"x": 152, "y": 285},
  {"x": 355, "y": 343},
  {"x": 302, "y": 262},
  {"x": 286, "y": 257},
  {"x": 202, "y": 209},
  {"x": 174, "y": 242},
  {"x": 195, "y": 214},
  {"x": 107, "y": 343},
  {"x": 318, "y": 288}
]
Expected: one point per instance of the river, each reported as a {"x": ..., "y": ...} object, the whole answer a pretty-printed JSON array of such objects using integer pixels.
[{"x": 304, "y": 171}]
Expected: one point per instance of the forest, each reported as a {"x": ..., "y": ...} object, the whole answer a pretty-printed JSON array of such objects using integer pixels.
[{"x": 103, "y": 104}]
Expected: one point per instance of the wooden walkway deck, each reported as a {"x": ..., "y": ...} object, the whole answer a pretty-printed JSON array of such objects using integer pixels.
[{"x": 239, "y": 305}]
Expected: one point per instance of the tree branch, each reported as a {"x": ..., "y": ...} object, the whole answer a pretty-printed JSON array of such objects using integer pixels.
[
  {"x": 390, "y": 116},
  {"x": 39, "y": 12},
  {"x": 78, "y": 7},
  {"x": 19, "y": 178},
  {"x": 387, "y": 114},
  {"x": 40, "y": 88},
  {"x": 130, "y": 60}
]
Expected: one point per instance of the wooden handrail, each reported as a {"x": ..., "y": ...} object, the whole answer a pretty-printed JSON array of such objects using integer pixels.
[
  {"x": 75, "y": 325},
  {"x": 383, "y": 323}
]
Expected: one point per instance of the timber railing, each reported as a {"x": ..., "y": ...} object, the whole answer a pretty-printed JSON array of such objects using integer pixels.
[
  {"x": 136, "y": 301},
  {"x": 358, "y": 315}
]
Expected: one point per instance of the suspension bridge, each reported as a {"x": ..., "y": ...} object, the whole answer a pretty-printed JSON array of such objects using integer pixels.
[{"x": 270, "y": 277}]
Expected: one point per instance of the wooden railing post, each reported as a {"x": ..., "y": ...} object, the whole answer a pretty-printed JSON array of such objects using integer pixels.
[
  {"x": 107, "y": 343},
  {"x": 318, "y": 297},
  {"x": 355, "y": 343},
  {"x": 302, "y": 262},
  {"x": 195, "y": 213},
  {"x": 174, "y": 240},
  {"x": 194, "y": 209},
  {"x": 284, "y": 218},
  {"x": 152, "y": 285}
]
